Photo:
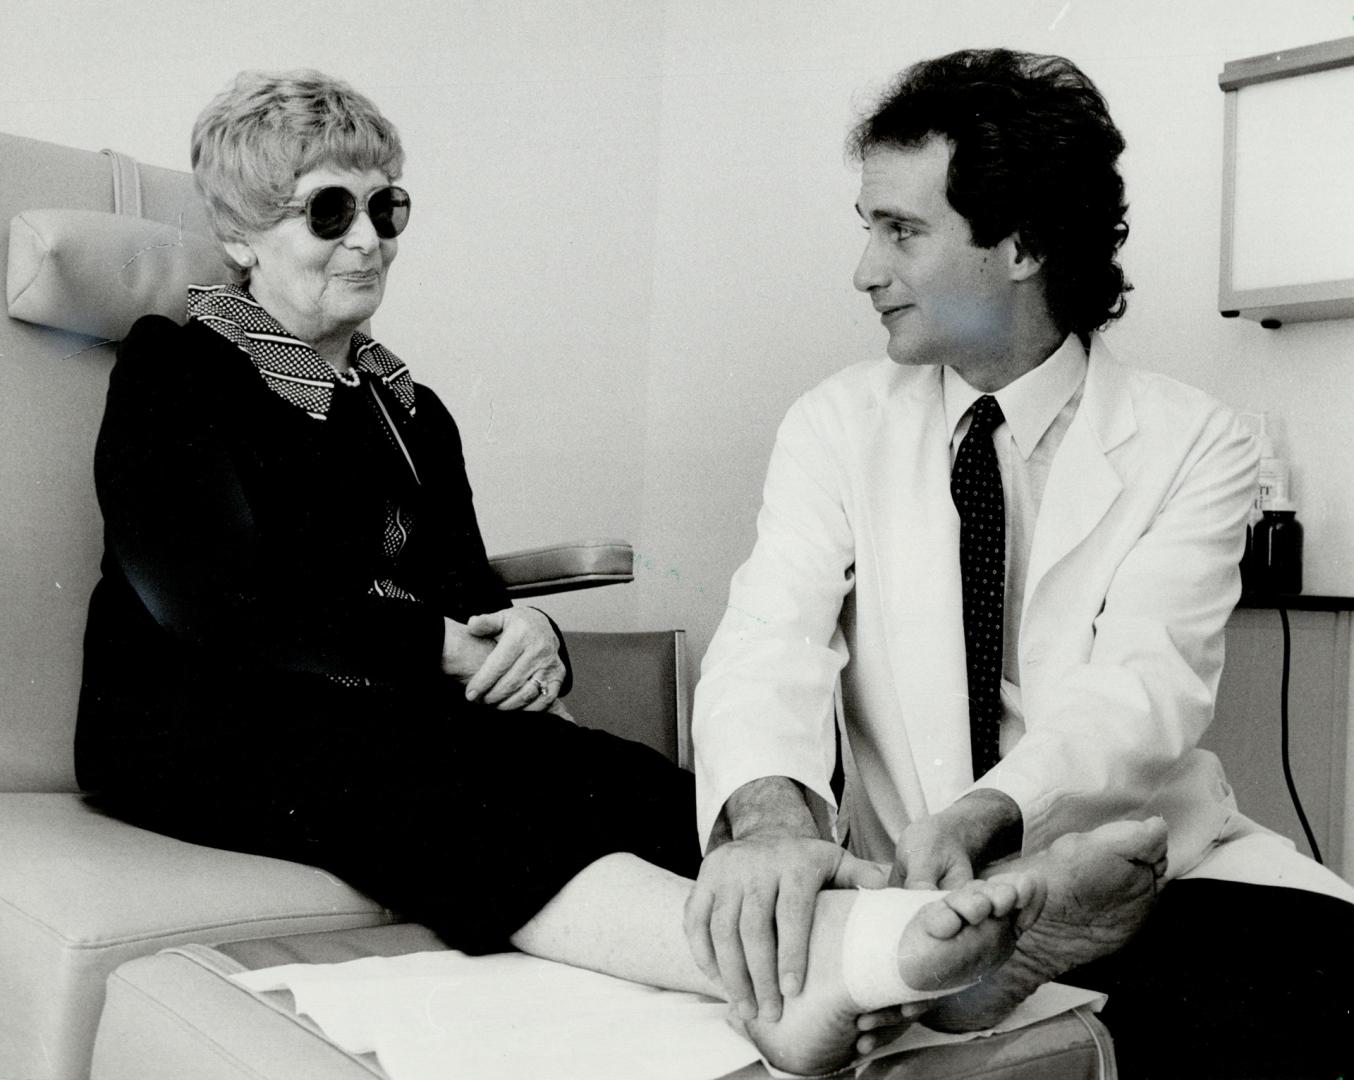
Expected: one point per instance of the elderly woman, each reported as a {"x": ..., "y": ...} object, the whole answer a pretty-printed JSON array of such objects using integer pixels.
[{"x": 298, "y": 648}]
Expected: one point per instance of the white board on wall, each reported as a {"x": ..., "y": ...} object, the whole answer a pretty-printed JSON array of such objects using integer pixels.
[{"x": 1288, "y": 226}]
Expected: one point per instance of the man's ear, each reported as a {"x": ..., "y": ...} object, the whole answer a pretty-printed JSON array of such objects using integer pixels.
[
  {"x": 241, "y": 253},
  {"x": 1021, "y": 263}
]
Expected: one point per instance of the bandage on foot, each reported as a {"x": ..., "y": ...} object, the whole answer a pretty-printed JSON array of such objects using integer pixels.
[
  {"x": 874, "y": 948},
  {"x": 871, "y": 943},
  {"x": 906, "y": 945}
]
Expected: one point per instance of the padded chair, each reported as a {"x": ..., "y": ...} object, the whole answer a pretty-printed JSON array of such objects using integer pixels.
[{"x": 90, "y": 241}]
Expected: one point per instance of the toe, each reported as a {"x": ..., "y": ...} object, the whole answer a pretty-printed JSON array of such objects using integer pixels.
[
  {"x": 972, "y": 902},
  {"x": 941, "y": 920},
  {"x": 1155, "y": 839},
  {"x": 1137, "y": 841},
  {"x": 1033, "y": 907},
  {"x": 1023, "y": 883},
  {"x": 1145, "y": 840},
  {"x": 1003, "y": 896},
  {"x": 879, "y": 1018}
]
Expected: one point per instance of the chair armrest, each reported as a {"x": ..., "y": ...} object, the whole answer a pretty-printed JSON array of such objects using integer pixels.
[{"x": 583, "y": 564}]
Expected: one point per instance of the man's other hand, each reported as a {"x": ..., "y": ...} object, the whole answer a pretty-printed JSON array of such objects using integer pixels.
[
  {"x": 932, "y": 854},
  {"x": 748, "y": 918},
  {"x": 955, "y": 845}
]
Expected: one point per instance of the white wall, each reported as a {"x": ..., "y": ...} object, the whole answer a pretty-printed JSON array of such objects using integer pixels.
[{"x": 633, "y": 233}]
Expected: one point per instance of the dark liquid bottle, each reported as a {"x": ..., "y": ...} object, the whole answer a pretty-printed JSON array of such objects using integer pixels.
[{"x": 1276, "y": 552}]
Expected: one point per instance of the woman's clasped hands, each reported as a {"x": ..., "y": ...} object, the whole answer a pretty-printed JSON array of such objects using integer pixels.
[{"x": 508, "y": 659}]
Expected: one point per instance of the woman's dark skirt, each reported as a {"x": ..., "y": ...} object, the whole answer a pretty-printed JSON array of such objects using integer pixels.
[{"x": 454, "y": 815}]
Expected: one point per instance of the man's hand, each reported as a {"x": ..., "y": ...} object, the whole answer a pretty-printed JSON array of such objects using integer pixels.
[
  {"x": 953, "y": 846},
  {"x": 749, "y": 916},
  {"x": 882, "y": 1026},
  {"x": 523, "y": 671}
]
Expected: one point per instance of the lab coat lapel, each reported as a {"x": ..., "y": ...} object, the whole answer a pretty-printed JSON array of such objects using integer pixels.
[
  {"x": 1082, "y": 482},
  {"x": 916, "y": 547}
]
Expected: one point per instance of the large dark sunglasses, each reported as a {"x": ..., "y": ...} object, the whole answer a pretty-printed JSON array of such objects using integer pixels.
[{"x": 330, "y": 211}]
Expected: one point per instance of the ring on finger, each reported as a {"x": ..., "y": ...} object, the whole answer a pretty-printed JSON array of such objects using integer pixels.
[{"x": 542, "y": 687}]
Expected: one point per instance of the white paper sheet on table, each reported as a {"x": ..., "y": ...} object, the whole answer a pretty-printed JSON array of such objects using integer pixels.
[
  {"x": 507, "y": 1017},
  {"x": 432, "y": 1015}
]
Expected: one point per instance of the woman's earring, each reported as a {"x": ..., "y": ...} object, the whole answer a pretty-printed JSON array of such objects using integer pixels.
[{"x": 241, "y": 254}]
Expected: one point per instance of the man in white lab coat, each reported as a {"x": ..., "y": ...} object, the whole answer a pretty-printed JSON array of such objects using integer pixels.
[{"x": 994, "y": 212}]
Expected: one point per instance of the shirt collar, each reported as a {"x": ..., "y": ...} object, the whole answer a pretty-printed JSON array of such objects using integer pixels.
[{"x": 1030, "y": 403}]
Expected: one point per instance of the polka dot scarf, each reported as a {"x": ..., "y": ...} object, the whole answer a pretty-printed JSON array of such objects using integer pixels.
[{"x": 290, "y": 368}]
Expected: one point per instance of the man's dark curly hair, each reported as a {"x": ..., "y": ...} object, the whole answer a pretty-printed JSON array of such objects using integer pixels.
[{"x": 1034, "y": 153}]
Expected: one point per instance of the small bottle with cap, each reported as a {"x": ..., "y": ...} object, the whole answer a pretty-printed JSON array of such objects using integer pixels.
[
  {"x": 1273, "y": 474},
  {"x": 1271, "y": 492}
]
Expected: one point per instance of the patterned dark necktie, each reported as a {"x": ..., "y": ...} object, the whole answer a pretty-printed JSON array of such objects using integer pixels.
[{"x": 975, "y": 486}]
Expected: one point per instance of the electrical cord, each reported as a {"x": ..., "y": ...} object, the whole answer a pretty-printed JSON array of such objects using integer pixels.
[{"x": 1283, "y": 737}]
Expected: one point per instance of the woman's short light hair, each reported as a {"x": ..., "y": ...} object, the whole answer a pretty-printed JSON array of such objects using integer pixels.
[{"x": 266, "y": 129}]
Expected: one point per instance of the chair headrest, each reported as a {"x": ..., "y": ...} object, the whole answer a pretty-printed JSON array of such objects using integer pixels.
[{"x": 97, "y": 273}]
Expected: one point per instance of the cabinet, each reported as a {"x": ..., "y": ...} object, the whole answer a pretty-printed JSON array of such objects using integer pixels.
[{"x": 1246, "y": 729}]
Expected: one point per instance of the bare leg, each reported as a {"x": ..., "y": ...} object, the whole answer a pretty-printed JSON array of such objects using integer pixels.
[
  {"x": 623, "y": 917},
  {"x": 1101, "y": 887}
]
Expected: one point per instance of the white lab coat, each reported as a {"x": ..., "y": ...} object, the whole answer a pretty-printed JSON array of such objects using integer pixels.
[{"x": 854, "y": 585}]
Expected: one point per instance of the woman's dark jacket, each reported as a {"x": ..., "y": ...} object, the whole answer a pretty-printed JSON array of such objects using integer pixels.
[{"x": 242, "y": 537}]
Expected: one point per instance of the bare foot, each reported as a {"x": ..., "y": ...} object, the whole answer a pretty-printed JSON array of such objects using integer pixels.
[
  {"x": 950, "y": 942},
  {"x": 1101, "y": 886}
]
